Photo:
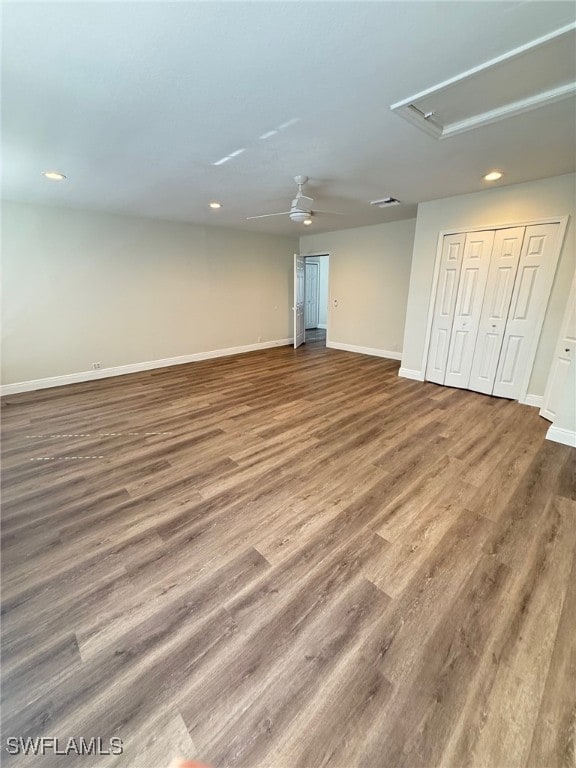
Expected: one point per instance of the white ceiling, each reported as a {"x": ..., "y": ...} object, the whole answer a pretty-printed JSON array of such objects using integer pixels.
[{"x": 135, "y": 101}]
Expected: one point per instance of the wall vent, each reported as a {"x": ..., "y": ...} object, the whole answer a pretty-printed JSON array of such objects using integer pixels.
[{"x": 385, "y": 202}]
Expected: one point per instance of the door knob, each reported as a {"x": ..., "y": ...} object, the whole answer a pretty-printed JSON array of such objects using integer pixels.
[{"x": 567, "y": 349}]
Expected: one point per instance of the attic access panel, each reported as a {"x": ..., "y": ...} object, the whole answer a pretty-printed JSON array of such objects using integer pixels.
[{"x": 525, "y": 78}]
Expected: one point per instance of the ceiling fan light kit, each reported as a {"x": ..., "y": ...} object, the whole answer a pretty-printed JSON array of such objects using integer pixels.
[{"x": 299, "y": 216}]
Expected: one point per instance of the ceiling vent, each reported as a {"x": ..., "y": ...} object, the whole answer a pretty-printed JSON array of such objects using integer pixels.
[
  {"x": 538, "y": 73},
  {"x": 386, "y": 202}
]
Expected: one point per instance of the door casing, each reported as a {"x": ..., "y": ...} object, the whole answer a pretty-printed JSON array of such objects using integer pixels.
[
  {"x": 313, "y": 256},
  {"x": 312, "y": 294}
]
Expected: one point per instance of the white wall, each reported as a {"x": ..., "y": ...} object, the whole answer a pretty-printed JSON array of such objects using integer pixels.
[
  {"x": 369, "y": 277},
  {"x": 502, "y": 205},
  {"x": 81, "y": 287}
]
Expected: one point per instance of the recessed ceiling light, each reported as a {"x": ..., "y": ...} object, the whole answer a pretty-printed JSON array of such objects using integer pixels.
[
  {"x": 307, "y": 222},
  {"x": 53, "y": 175},
  {"x": 493, "y": 176},
  {"x": 215, "y": 205}
]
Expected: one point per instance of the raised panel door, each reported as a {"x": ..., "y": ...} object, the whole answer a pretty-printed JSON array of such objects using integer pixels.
[
  {"x": 534, "y": 277},
  {"x": 299, "y": 298},
  {"x": 446, "y": 293},
  {"x": 500, "y": 284},
  {"x": 468, "y": 309}
]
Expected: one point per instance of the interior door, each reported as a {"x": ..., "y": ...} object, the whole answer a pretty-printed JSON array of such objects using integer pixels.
[
  {"x": 299, "y": 299},
  {"x": 529, "y": 299},
  {"x": 448, "y": 278},
  {"x": 499, "y": 286},
  {"x": 311, "y": 287},
  {"x": 564, "y": 353},
  {"x": 473, "y": 276}
]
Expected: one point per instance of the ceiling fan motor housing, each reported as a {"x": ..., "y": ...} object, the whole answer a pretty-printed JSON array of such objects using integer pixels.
[{"x": 299, "y": 215}]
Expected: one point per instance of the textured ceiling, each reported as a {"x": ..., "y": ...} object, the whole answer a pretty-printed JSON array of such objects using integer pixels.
[{"x": 135, "y": 102}]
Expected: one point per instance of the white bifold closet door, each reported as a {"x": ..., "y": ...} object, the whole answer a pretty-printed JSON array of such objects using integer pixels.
[
  {"x": 492, "y": 291},
  {"x": 500, "y": 283},
  {"x": 532, "y": 287},
  {"x": 446, "y": 292},
  {"x": 473, "y": 276}
]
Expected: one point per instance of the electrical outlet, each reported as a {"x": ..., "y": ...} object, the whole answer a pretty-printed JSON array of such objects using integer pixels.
[
  {"x": 96, "y": 366},
  {"x": 259, "y": 338}
]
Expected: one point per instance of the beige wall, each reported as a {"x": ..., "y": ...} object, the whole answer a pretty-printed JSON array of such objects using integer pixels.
[
  {"x": 369, "y": 276},
  {"x": 81, "y": 287},
  {"x": 504, "y": 205}
]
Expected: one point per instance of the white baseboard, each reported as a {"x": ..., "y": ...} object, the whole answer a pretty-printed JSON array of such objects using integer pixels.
[
  {"x": 409, "y": 373},
  {"x": 122, "y": 370},
  {"x": 559, "y": 435},
  {"x": 537, "y": 401},
  {"x": 365, "y": 350}
]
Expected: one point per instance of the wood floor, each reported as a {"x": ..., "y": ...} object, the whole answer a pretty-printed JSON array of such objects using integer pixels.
[{"x": 288, "y": 559}]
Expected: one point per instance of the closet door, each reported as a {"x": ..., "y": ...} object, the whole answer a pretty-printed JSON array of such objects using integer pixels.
[
  {"x": 474, "y": 272},
  {"x": 529, "y": 299},
  {"x": 446, "y": 291},
  {"x": 499, "y": 286}
]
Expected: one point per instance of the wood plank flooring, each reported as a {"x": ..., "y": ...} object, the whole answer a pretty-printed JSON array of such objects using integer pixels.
[{"x": 287, "y": 559}]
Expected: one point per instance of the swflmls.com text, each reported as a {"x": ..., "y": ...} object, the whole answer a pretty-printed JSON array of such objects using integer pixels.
[{"x": 50, "y": 745}]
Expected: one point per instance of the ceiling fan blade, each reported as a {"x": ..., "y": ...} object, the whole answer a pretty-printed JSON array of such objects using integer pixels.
[
  {"x": 265, "y": 215},
  {"x": 331, "y": 213}
]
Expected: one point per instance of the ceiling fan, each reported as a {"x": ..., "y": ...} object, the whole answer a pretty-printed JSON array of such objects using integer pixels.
[{"x": 301, "y": 211}]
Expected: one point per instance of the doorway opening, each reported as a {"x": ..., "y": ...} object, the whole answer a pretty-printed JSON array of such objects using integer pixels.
[{"x": 316, "y": 270}]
